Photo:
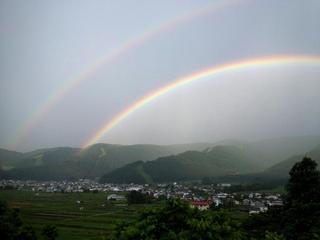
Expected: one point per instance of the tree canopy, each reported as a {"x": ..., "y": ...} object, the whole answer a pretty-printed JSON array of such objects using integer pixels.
[
  {"x": 136, "y": 197},
  {"x": 177, "y": 220},
  {"x": 299, "y": 218},
  {"x": 11, "y": 225},
  {"x": 302, "y": 204}
]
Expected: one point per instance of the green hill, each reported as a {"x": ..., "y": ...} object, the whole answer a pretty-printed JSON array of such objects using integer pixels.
[
  {"x": 268, "y": 152},
  {"x": 92, "y": 162},
  {"x": 99, "y": 159},
  {"x": 9, "y": 159},
  {"x": 190, "y": 165},
  {"x": 282, "y": 169},
  {"x": 276, "y": 174}
]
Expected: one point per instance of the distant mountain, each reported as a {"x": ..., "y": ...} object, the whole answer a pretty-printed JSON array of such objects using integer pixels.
[
  {"x": 71, "y": 163},
  {"x": 100, "y": 159},
  {"x": 282, "y": 169},
  {"x": 108, "y": 157},
  {"x": 276, "y": 174},
  {"x": 190, "y": 165},
  {"x": 8, "y": 159},
  {"x": 271, "y": 151},
  {"x": 275, "y": 150}
]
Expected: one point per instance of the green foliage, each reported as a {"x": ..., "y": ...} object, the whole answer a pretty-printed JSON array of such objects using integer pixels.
[
  {"x": 136, "y": 197},
  {"x": 304, "y": 183},
  {"x": 11, "y": 225},
  {"x": 27, "y": 233},
  {"x": 299, "y": 218},
  {"x": 49, "y": 232},
  {"x": 302, "y": 205},
  {"x": 273, "y": 236},
  {"x": 257, "y": 225},
  {"x": 176, "y": 220}
]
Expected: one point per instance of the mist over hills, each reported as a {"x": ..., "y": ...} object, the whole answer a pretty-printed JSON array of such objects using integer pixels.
[
  {"x": 191, "y": 165},
  {"x": 268, "y": 152},
  {"x": 277, "y": 173},
  {"x": 92, "y": 162},
  {"x": 154, "y": 163},
  {"x": 8, "y": 159},
  {"x": 222, "y": 163},
  {"x": 282, "y": 168}
]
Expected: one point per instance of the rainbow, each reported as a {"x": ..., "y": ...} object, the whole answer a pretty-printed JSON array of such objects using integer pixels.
[
  {"x": 210, "y": 72},
  {"x": 107, "y": 59}
]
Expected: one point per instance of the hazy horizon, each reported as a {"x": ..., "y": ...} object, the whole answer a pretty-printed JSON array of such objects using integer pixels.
[
  {"x": 227, "y": 141},
  {"x": 67, "y": 69}
]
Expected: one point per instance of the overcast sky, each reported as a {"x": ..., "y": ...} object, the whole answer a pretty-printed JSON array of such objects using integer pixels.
[{"x": 46, "y": 44}]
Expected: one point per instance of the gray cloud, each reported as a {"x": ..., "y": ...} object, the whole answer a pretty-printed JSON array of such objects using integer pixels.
[{"x": 44, "y": 44}]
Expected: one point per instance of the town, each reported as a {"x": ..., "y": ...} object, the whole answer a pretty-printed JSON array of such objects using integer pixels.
[{"x": 198, "y": 195}]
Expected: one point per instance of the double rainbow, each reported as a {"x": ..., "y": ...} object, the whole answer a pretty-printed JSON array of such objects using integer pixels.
[
  {"x": 109, "y": 58},
  {"x": 214, "y": 71}
]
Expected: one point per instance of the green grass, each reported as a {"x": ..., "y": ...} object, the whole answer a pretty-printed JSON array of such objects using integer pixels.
[{"x": 94, "y": 221}]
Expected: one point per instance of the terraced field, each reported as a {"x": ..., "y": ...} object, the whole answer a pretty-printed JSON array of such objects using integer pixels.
[{"x": 92, "y": 218}]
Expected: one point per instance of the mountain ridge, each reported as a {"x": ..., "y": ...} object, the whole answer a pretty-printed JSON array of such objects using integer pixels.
[
  {"x": 190, "y": 165},
  {"x": 99, "y": 159},
  {"x": 57, "y": 163}
]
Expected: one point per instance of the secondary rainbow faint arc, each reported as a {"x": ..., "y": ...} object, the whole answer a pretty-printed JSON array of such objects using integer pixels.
[
  {"x": 106, "y": 59},
  {"x": 209, "y": 72}
]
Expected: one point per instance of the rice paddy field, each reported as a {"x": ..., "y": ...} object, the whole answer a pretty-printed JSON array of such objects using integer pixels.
[{"x": 76, "y": 215}]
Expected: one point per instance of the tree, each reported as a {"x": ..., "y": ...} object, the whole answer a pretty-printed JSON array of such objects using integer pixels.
[
  {"x": 304, "y": 183},
  {"x": 273, "y": 236},
  {"x": 302, "y": 203},
  {"x": 27, "y": 233},
  {"x": 259, "y": 225},
  {"x": 299, "y": 218},
  {"x": 136, "y": 197},
  {"x": 49, "y": 232},
  {"x": 11, "y": 225},
  {"x": 177, "y": 220}
]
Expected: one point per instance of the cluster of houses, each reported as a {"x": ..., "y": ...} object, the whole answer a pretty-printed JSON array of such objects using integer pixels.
[
  {"x": 252, "y": 203},
  {"x": 82, "y": 185},
  {"x": 200, "y": 196},
  {"x": 204, "y": 197}
]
